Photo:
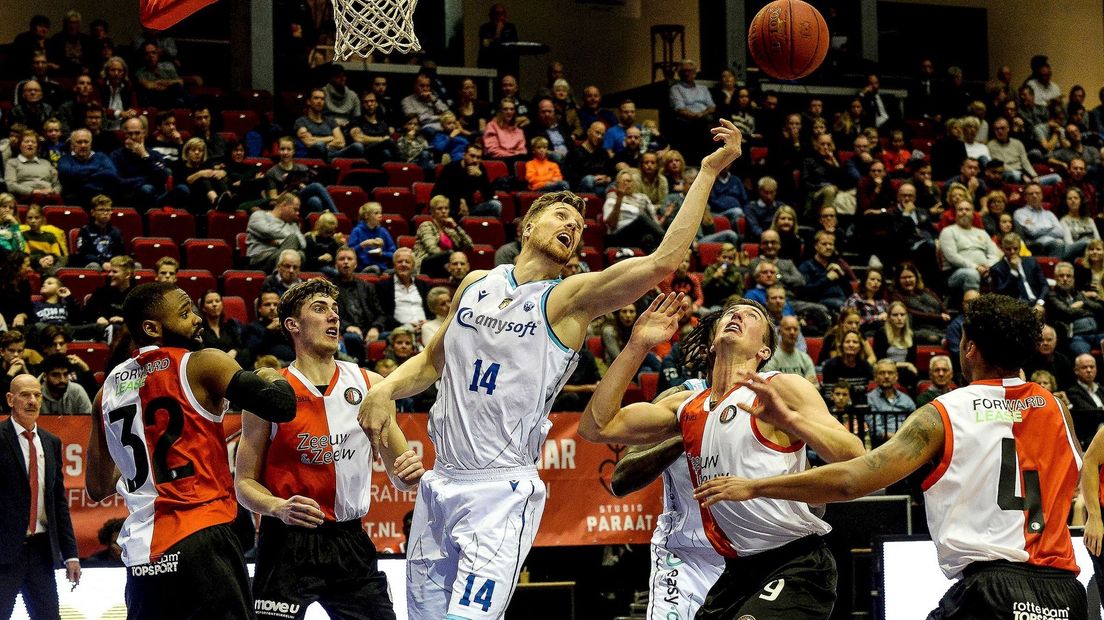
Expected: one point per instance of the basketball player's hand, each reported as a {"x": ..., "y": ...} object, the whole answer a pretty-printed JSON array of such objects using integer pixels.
[
  {"x": 661, "y": 320},
  {"x": 731, "y": 138},
  {"x": 769, "y": 406},
  {"x": 724, "y": 489},
  {"x": 1094, "y": 531},
  {"x": 375, "y": 416},
  {"x": 299, "y": 510},
  {"x": 409, "y": 468}
]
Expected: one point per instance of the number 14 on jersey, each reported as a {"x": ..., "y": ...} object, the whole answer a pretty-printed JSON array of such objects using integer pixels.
[{"x": 484, "y": 378}]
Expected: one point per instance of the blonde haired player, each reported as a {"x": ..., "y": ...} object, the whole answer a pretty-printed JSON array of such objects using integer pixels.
[{"x": 507, "y": 346}]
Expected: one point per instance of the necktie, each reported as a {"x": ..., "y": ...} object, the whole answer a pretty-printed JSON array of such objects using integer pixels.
[{"x": 32, "y": 473}]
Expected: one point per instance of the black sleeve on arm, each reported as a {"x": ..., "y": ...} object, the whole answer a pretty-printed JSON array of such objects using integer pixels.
[{"x": 272, "y": 401}]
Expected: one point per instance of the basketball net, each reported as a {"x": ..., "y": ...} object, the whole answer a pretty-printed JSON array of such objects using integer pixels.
[{"x": 365, "y": 26}]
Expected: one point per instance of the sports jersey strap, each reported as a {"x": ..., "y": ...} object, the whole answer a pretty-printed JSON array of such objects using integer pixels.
[
  {"x": 187, "y": 387},
  {"x": 948, "y": 448}
]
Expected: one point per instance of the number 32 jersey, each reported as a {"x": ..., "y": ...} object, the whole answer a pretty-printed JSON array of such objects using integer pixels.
[
  {"x": 503, "y": 369},
  {"x": 170, "y": 451}
]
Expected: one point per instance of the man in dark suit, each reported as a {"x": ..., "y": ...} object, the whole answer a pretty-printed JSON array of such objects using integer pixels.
[
  {"x": 399, "y": 295},
  {"x": 1019, "y": 277},
  {"x": 35, "y": 534},
  {"x": 1085, "y": 393}
]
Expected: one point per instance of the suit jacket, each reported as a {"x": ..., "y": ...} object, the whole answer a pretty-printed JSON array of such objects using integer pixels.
[
  {"x": 385, "y": 290},
  {"x": 15, "y": 497},
  {"x": 1080, "y": 399},
  {"x": 1007, "y": 283}
]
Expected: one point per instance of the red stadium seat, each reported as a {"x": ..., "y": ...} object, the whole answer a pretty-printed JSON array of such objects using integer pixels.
[
  {"x": 214, "y": 255},
  {"x": 176, "y": 224},
  {"x": 366, "y": 179},
  {"x": 234, "y": 307},
  {"x": 370, "y": 278},
  {"x": 423, "y": 191},
  {"x": 594, "y": 344},
  {"x": 758, "y": 154},
  {"x": 708, "y": 252},
  {"x": 482, "y": 256},
  {"x": 81, "y": 282},
  {"x": 924, "y": 353},
  {"x": 1047, "y": 264},
  {"x": 720, "y": 223},
  {"x": 148, "y": 250},
  {"x": 94, "y": 354},
  {"x": 486, "y": 230},
  {"x": 419, "y": 220},
  {"x": 65, "y": 217},
  {"x": 519, "y": 171},
  {"x": 813, "y": 345},
  {"x": 594, "y": 234},
  {"x": 241, "y": 243},
  {"x": 374, "y": 350},
  {"x": 752, "y": 249},
  {"x": 344, "y": 224},
  {"x": 402, "y": 174},
  {"x": 495, "y": 169},
  {"x": 594, "y": 204},
  {"x": 128, "y": 222},
  {"x": 141, "y": 276},
  {"x": 348, "y": 199},
  {"x": 225, "y": 226},
  {"x": 398, "y": 200},
  {"x": 406, "y": 241},
  {"x": 611, "y": 254},
  {"x": 509, "y": 206},
  {"x": 649, "y": 384},
  {"x": 195, "y": 281},
  {"x": 244, "y": 284},
  {"x": 240, "y": 121},
  {"x": 592, "y": 257},
  {"x": 525, "y": 200},
  {"x": 395, "y": 224}
]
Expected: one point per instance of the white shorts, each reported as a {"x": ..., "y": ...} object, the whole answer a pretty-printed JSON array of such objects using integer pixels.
[
  {"x": 680, "y": 580},
  {"x": 470, "y": 533}
]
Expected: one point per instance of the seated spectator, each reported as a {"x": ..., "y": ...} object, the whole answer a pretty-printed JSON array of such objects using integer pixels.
[
  {"x": 974, "y": 148},
  {"x": 205, "y": 182},
  {"x": 371, "y": 130},
  {"x": 413, "y": 146},
  {"x": 319, "y": 137},
  {"x": 673, "y": 166},
  {"x": 31, "y": 110},
  {"x": 83, "y": 173},
  {"x": 471, "y": 112},
  {"x": 1078, "y": 221},
  {"x": 849, "y": 365},
  {"x": 265, "y": 335},
  {"x": 372, "y": 242},
  {"x": 11, "y": 238},
  {"x": 1077, "y": 176},
  {"x": 219, "y": 332},
  {"x": 898, "y": 156},
  {"x": 693, "y": 107},
  {"x": 770, "y": 247},
  {"x": 166, "y": 138},
  {"x": 848, "y": 320},
  {"x": 592, "y": 111},
  {"x": 358, "y": 306},
  {"x": 217, "y": 150},
  {"x": 159, "y": 85},
  {"x": 993, "y": 206},
  {"x": 889, "y": 405},
  {"x": 103, "y": 141},
  {"x": 589, "y": 166},
  {"x": 402, "y": 296},
  {"x": 458, "y": 268},
  {"x": 60, "y": 395},
  {"x": 1017, "y": 167},
  {"x": 438, "y": 237},
  {"x": 98, "y": 241},
  {"x": 785, "y": 224},
  {"x": 450, "y": 140},
  {"x": 1085, "y": 393},
  {"x": 290, "y": 176},
  {"x": 1005, "y": 226},
  {"x": 967, "y": 252},
  {"x": 269, "y": 232},
  {"x": 55, "y": 339},
  {"x": 105, "y": 306},
  {"x": 925, "y": 308},
  {"x": 467, "y": 187},
  {"x": 870, "y": 302},
  {"x": 401, "y": 344},
  {"x": 630, "y": 217},
  {"x": 287, "y": 271},
  {"x": 1039, "y": 227},
  {"x": 56, "y": 306},
  {"x": 45, "y": 242},
  {"x": 1047, "y": 357},
  {"x": 614, "y": 140},
  {"x": 542, "y": 174},
  {"x": 1074, "y": 312},
  {"x": 895, "y": 342},
  {"x": 143, "y": 172},
  {"x": 551, "y": 127},
  {"x": 787, "y": 358},
  {"x": 728, "y": 196},
  {"x": 503, "y": 139},
  {"x": 424, "y": 104},
  {"x": 942, "y": 379},
  {"x": 1018, "y": 276},
  {"x": 828, "y": 278},
  {"x": 650, "y": 181},
  {"x": 1092, "y": 276},
  {"x": 166, "y": 269},
  {"x": 724, "y": 278},
  {"x": 27, "y": 175},
  {"x": 116, "y": 93},
  {"x": 439, "y": 300},
  {"x": 15, "y": 291},
  {"x": 759, "y": 213},
  {"x": 342, "y": 103},
  {"x": 825, "y": 181},
  {"x": 322, "y": 244}
]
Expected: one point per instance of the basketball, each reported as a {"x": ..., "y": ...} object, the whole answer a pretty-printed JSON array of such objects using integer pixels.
[{"x": 788, "y": 39}]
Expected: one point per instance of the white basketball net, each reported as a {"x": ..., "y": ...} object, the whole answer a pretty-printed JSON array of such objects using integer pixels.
[{"x": 364, "y": 26}]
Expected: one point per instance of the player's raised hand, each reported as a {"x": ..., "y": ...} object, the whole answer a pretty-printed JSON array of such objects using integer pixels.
[
  {"x": 661, "y": 320},
  {"x": 375, "y": 416},
  {"x": 731, "y": 140},
  {"x": 724, "y": 489},
  {"x": 300, "y": 511},
  {"x": 769, "y": 406},
  {"x": 1094, "y": 532},
  {"x": 409, "y": 468}
]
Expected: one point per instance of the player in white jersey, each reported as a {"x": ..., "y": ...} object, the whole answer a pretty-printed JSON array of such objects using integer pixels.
[
  {"x": 310, "y": 479},
  {"x": 684, "y": 564},
  {"x": 506, "y": 347},
  {"x": 1006, "y": 468},
  {"x": 776, "y": 565}
]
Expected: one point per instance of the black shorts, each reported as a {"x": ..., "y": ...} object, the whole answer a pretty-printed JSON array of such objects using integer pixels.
[
  {"x": 202, "y": 576},
  {"x": 334, "y": 564},
  {"x": 795, "y": 581},
  {"x": 1002, "y": 589}
]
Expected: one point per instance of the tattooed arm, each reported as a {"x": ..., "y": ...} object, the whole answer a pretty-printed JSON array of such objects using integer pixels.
[{"x": 920, "y": 440}]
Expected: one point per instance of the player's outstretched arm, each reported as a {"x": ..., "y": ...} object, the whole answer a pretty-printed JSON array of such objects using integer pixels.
[
  {"x": 604, "y": 420},
  {"x": 595, "y": 294},
  {"x": 919, "y": 441},
  {"x": 252, "y": 451},
  {"x": 214, "y": 375},
  {"x": 404, "y": 466},
  {"x": 1090, "y": 491},
  {"x": 791, "y": 404},
  {"x": 100, "y": 474},
  {"x": 643, "y": 464}
]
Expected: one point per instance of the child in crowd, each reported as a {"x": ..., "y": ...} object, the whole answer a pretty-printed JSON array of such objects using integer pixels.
[
  {"x": 450, "y": 141},
  {"x": 373, "y": 244},
  {"x": 412, "y": 144},
  {"x": 57, "y": 306},
  {"x": 45, "y": 242},
  {"x": 542, "y": 173}
]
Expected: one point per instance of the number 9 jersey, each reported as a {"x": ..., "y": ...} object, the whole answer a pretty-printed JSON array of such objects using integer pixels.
[{"x": 170, "y": 451}]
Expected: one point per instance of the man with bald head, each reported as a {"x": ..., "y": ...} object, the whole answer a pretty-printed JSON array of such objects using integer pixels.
[
  {"x": 36, "y": 533},
  {"x": 1085, "y": 393},
  {"x": 787, "y": 358},
  {"x": 32, "y": 109}
]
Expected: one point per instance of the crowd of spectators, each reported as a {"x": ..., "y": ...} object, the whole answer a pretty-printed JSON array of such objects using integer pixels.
[{"x": 864, "y": 224}]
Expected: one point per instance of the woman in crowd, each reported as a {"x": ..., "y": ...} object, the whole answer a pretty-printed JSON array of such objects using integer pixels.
[
  {"x": 15, "y": 290},
  {"x": 925, "y": 308},
  {"x": 29, "y": 176},
  {"x": 206, "y": 184},
  {"x": 848, "y": 365},
  {"x": 1079, "y": 223},
  {"x": 1006, "y": 225},
  {"x": 870, "y": 302},
  {"x": 785, "y": 224},
  {"x": 993, "y": 206},
  {"x": 894, "y": 341},
  {"x": 567, "y": 110},
  {"x": 438, "y": 237},
  {"x": 849, "y": 320},
  {"x": 503, "y": 139},
  {"x": 616, "y": 332},
  {"x": 289, "y": 176},
  {"x": 218, "y": 331},
  {"x": 847, "y": 125},
  {"x": 674, "y": 165},
  {"x": 1089, "y": 275},
  {"x": 323, "y": 242},
  {"x": 470, "y": 112}
]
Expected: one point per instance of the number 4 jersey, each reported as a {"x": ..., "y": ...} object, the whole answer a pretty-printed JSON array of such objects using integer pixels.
[
  {"x": 1003, "y": 487},
  {"x": 503, "y": 368},
  {"x": 170, "y": 451}
]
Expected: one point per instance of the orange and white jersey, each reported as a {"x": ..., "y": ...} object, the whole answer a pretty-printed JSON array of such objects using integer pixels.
[
  {"x": 170, "y": 450},
  {"x": 1003, "y": 487},
  {"x": 323, "y": 454},
  {"x": 725, "y": 441}
]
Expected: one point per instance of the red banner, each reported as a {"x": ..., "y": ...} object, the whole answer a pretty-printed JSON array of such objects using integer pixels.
[{"x": 581, "y": 509}]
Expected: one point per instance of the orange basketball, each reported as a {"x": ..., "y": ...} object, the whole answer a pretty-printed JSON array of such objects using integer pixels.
[{"x": 788, "y": 39}]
